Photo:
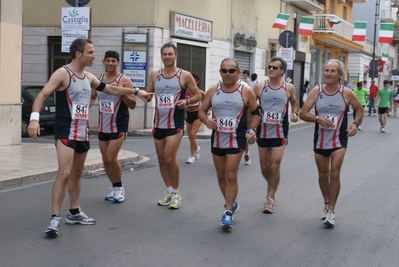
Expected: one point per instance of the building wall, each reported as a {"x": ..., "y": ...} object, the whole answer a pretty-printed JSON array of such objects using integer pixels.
[{"x": 10, "y": 71}]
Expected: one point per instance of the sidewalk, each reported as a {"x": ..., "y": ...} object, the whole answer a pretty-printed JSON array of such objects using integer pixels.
[{"x": 35, "y": 162}]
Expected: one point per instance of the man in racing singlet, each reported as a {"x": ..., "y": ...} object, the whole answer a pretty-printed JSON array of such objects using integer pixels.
[
  {"x": 230, "y": 100},
  {"x": 74, "y": 88},
  {"x": 168, "y": 86},
  {"x": 332, "y": 130},
  {"x": 272, "y": 134},
  {"x": 113, "y": 123}
]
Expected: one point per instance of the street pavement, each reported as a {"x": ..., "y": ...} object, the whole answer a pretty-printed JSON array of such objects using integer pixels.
[{"x": 140, "y": 233}]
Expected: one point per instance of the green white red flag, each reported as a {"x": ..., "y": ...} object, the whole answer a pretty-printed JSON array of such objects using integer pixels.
[
  {"x": 306, "y": 25},
  {"x": 386, "y": 33},
  {"x": 384, "y": 57},
  {"x": 281, "y": 21},
  {"x": 359, "y": 31}
]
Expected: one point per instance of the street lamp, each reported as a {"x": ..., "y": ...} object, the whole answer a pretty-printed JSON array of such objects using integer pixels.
[{"x": 374, "y": 64}]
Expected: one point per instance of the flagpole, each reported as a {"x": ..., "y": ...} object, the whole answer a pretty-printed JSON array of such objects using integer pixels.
[{"x": 377, "y": 13}]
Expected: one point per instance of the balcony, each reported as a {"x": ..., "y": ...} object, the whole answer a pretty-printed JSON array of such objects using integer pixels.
[
  {"x": 395, "y": 37},
  {"x": 340, "y": 35},
  {"x": 308, "y": 5},
  {"x": 388, "y": 15}
]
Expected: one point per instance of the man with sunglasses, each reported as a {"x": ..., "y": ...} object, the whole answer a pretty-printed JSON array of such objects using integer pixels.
[
  {"x": 331, "y": 101},
  {"x": 230, "y": 101},
  {"x": 169, "y": 85},
  {"x": 272, "y": 134}
]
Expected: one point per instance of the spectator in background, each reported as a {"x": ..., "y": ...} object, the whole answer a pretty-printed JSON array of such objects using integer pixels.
[
  {"x": 372, "y": 96},
  {"x": 254, "y": 80},
  {"x": 245, "y": 78},
  {"x": 395, "y": 99},
  {"x": 361, "y": 95}
]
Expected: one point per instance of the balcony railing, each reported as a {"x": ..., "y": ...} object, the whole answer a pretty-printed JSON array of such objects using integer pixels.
[{"x": 343, "y": 29}]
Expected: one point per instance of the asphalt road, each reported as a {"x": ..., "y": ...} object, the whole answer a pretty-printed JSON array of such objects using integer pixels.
[{"x": 140, "y": 233}]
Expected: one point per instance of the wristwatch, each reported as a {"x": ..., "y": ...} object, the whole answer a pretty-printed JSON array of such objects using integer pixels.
[
  {"x": 137, "y": 91},
  {"x": 317, "y": 118}
]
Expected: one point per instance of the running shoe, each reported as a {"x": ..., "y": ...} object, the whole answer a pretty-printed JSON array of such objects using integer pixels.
[
  {"x": 119, "y": 194},
  {"x": 329, "y": 221},
  {"x": 110, "y": 196},
  {"x": 375, "y": 114},
  {"x": 359, "y": 128},
  {"x": 368, "y": 114},
  {"x": 175, "y": 201},
  {"x": 247, "y": 159},
  {"x": 196, "y": 153},
  {"x": 190, "y": 160},
  {"x": 324, "y": 212},
  {"x": 268, "y": 206},
  {"x": 80, "y": 218},
  {"x": 382, "y": 129},
  {"x": 227, "y": 220},
  {"x": 235, "y": 208},
  {"x": 166, "y": 200},
  {"x": 52, "y": 228}
]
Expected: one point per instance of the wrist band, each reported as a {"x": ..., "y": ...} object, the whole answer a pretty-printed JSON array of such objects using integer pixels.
[
  {"x": 137, "y": 91},
  {"x": 357, "y": 124},
  {"x": 296, "y": 112},
  {"x": 34, "y": 116}
]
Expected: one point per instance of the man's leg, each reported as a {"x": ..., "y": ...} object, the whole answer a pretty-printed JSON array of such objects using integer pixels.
[
  {"x": 75, "y": 179},
  {"x": 109, "y": 151},
  {"x": 323, "y": 164},
  {"x": 337, "y": 158},
  {"x": 167, "y": 150},
  {"x": 270, "y": 161},
  {"x": 65, "y": 160}
]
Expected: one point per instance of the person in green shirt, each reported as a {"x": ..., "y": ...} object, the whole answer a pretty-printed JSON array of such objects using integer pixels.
[
  {"x": 361, "y": 95},
  {"x": 384, "y": 103}
]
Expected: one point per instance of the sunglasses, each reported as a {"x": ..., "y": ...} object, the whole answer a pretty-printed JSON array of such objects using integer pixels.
[
  {"x": 274, "y": 67},
  {"x": 231, "y": 71}
]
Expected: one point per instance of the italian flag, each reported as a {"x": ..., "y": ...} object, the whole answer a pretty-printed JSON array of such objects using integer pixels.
[
  {"x": 359, "y": 31},
  {"x": 386, "y": 33},
  {"x": 384, "y": 57},
  {"x": 306, "y": 26},
  {"x": 281, "y": 21}
]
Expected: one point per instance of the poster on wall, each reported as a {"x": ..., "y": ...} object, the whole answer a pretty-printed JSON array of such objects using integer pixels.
[
  {"x": 69, "y": 36},
  {"x": 135, "y": 67}
]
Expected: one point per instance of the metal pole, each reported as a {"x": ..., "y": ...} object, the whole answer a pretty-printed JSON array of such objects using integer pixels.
[
  {"x": 377, "y": 13},
  {"x": 77, "y": 3}
]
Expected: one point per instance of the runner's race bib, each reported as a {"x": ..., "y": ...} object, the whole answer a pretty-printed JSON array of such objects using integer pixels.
[
  {"x": 272, "y": 117},
  {"x": 107, "y": 106},
  {"x": 165, "y": 101},
  {"x": 80, "y": 111},
  {"x": 226, "y": 124}
]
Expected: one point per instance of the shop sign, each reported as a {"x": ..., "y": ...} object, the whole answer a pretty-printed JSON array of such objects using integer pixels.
[
  {"x": 75, "y": 18},
  {"x": 243, "y": 40},
  {"x": 69, "y": 36},
  {"x": 190, "y": 27}
]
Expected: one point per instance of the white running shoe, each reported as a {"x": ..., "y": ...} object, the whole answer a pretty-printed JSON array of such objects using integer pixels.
[
  {"x": 196, "y": 153},
  {"x": 52, "y": 228},
  {"x": 329, "y": 221},
  {"x": 247, "y": 159},
  {"x": 119, "y": 195},
  {"x": 324, "y": 212},
  {"x": 382, "y": 129},
  {"x": 80, "y": 218},
  {"x": 110, "y": 196},
  {"x": 190, "y": 160}
]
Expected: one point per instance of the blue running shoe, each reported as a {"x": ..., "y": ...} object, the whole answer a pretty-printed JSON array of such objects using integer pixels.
[
  {"x": 236, "y": 206},
  {"x": 227, "y": 220}
]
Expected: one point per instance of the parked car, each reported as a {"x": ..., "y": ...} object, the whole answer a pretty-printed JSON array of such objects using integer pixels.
[{"x": 47, "y": 112}]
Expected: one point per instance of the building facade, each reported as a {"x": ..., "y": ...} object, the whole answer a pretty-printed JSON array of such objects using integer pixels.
[{"x": 205, "y": 32}]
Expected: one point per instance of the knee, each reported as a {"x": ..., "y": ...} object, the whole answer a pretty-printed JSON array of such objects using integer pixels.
[
  {"x": 231, "y": 177},
  {"x": 109, "y": 160}
]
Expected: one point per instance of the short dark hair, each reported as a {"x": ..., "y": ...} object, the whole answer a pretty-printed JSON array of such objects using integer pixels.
[
  {"x": 386, "y": 82},
  {"x": 111, "y": 54},
  {"x": 196, "y": 76},
  {"x": 169, "y": 44},
  {"x": 359, "y": 84},
  {"x": 246, "y": 72},
  {"x": 254, "y": 76},
  {"x": 78, "y": 45}
]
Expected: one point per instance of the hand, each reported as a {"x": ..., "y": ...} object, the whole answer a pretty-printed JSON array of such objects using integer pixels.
[
  {"x": 211, "y": 123},
  {"x": 34, "y": 129},
  {"x": 351, "y": 130},
  {"x": 181, "y": 104},
  {"x": 145, "y": 96},
  {"x": 294, "y": 117},
  {"x": 325, "y": 122}
]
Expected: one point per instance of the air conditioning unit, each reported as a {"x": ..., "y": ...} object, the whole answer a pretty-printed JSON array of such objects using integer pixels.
[{"x": 341, "y": 1}]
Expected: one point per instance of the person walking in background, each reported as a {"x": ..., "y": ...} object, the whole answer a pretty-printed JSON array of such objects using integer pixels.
[
  {"x": 305, "y": 92},
  {"x": 230, "y": 100},
  {"x": 113, "y": 123},
  {"x": 193, "y": 124},
  {"x": 74, "y": 88},
  {"x": 254, "y": 80},
  {"x": 361, "y": 95},
  {"x": 331, "y": 132},
  {"x": 168, "y": 84},
  {"x": 272, "y": 134},
  {"x": 395, "y": 99},
  {"x": 245, "y": 77},
  {"x": 372, "y": 96},
  {"x": 384, "y": 103}
]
